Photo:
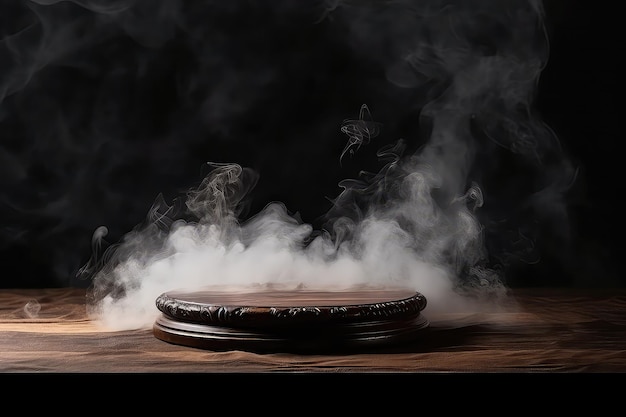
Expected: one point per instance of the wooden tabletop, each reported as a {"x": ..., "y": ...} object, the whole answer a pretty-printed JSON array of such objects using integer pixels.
[{"x": 550, "y": 330}]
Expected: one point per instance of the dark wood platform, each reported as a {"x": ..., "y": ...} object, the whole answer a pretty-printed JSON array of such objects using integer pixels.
[{"x": 296, "y": 321}]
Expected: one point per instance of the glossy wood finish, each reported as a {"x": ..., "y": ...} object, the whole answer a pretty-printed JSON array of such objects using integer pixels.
[{"x": 299, "y": 320}]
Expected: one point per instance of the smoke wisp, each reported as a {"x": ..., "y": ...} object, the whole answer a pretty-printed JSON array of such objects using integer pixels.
[{"x": 453, "y": 200}]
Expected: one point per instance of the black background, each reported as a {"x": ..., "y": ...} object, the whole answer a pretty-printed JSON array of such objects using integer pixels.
[{"x": 93, "y": 124}]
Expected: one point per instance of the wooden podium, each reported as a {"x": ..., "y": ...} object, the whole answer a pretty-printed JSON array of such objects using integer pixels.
[{"x": 268, "y": 320}]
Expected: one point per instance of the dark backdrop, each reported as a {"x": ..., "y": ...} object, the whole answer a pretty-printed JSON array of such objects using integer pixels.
[{"x": 105, "y": 105}]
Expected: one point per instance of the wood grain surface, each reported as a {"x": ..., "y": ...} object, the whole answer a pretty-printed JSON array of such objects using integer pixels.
[{"x": 551, "y": 330}]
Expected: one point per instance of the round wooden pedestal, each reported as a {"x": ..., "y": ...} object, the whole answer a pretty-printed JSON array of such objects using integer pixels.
[{"x": 299, "y": 320}]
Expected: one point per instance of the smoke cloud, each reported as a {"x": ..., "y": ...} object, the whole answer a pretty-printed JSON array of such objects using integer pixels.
[{"x": 464, "y": 176}]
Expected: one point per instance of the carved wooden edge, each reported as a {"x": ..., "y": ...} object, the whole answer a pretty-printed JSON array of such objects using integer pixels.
[{"x": 275, "y": 316}]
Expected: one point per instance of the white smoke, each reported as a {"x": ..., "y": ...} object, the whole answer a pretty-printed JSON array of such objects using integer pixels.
[
  {"x": 413, "y": 224},
  {"x": 410, "y": 242}
]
